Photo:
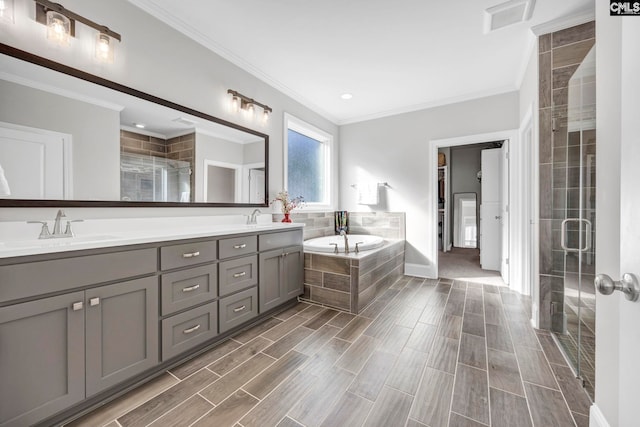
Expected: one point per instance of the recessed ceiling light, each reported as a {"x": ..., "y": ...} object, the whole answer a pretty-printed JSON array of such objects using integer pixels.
[
  {"x": 346, "y": 96},
  {"x": 139, "y": 125}
]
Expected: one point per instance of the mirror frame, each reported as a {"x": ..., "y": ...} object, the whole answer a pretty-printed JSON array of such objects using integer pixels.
[{"x": 74, "y": 72}]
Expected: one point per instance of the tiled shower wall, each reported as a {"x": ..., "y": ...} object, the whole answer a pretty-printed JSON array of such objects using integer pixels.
[
  {"x": 390, "y": 225},
  {"x": 560, "y": 54},
  {"x": 178, "y": 148}
]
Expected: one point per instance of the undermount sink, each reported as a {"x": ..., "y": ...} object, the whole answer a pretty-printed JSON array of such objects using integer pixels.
[{"x": 62, "y": 241}]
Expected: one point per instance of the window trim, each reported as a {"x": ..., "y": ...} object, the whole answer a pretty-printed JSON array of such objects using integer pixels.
[{"x": 300, "y": 126}]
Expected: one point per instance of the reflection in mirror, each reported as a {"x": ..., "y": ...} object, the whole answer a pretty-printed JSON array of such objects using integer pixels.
[
  {"x": 65, "y": 138},
  {"x": 465, "y": 226}
]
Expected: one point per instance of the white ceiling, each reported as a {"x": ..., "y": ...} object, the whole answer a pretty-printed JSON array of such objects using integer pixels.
[{"x": 393, "y": 56}]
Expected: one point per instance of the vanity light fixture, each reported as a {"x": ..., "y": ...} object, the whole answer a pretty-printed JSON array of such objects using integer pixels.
[
  {"x": 248, "y": 105},
  {"x": 61, "y": 23},
  {"x": 6, "y": 11}
]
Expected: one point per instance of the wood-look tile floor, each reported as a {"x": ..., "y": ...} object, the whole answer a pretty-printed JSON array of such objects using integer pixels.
[{"x": 425, "y": 353}]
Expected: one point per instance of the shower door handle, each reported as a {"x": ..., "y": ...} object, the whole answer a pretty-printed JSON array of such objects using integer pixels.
[
  {"x": 563, "y": 235},
  {"x": 628, "y": 285}
]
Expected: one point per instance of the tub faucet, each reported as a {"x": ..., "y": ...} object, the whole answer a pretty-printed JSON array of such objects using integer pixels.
[
  {"x": 253, "y": 218},
  {"x": 346, "y": 241}
]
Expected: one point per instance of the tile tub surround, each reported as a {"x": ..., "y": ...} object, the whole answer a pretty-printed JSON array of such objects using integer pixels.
[
  {"x": 351, "y": 282},
  {"x": 560, "y": 53},
  {"x": 406, "y": 361},
  {"x": 390, "y": 225}
]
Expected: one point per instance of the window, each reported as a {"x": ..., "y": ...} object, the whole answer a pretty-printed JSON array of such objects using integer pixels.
[{"x": 308, "y": 162}]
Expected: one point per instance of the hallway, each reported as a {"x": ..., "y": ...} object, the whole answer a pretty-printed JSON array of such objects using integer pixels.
[{"x": 464, "y": 264}]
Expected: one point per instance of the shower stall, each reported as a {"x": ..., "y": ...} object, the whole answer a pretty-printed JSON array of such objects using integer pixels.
[
  {"x": 574, "y": 215},
  {"x": 154, "y": 179}
]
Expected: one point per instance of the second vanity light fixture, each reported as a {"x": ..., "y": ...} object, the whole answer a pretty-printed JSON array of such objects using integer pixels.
[
  {"x": 239, "y": 102},
  {"x": 60, "y": 24}
]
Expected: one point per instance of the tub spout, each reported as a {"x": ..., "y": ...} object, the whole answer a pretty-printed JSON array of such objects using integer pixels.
[{"x": 346, "y": 241}]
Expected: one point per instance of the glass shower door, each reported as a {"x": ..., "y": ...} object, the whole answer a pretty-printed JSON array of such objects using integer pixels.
[{"x": 575, "y": 328}]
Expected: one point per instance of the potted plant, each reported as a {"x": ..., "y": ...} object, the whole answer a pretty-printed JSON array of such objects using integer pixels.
[{"x": 288, "y": 204}]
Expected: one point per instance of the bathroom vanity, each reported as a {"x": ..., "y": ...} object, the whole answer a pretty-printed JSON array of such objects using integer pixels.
[{"x": 82, "y": 322}]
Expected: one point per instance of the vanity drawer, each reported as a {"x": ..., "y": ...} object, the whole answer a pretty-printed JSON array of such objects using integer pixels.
[
  {"x": 186, "y": 288},
  {"x": 238, "y": 274},
  {"x": 237, "y": 246},
  {"x": 43, "y": 277},
  {"x": 186, "y": 254},
  {"x": 186, "y": 330},
  {"x": 270, "y": 241},
  {"x": 237, "y": 309}
]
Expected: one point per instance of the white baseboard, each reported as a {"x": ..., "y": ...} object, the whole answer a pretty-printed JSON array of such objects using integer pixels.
[
  {"x": 420, "y": 270},
  {"x": 596, "y": 418}
]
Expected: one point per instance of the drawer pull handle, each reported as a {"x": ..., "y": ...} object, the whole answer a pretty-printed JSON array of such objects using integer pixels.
[
  {"x": 235, "y": 276},
  {"x": 77, "y": 306},
  {"x": 94, "y": 301},
  {"x": 238, "y": 309},
  {"x": 242, "y": 246},
  {"x": 191, "y": 255},
  {"x": 190, "y": 330},
  {"x": 190, "y": 288}
]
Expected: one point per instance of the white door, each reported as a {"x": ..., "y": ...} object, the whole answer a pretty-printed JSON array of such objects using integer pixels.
[
  {"x": 618, "y": 127},
  {"x": 256, "y": 186},
  {"x": 504, "y": 211},
  {"x": 490, "y": 210},
  {"x": 33, "y": 163}
]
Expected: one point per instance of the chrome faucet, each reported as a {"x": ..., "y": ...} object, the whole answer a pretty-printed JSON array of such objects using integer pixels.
[
  {"x": 346, "y": 241},
  {"x": 57, "y": 227},
  {"x": 253, "y": 218}
]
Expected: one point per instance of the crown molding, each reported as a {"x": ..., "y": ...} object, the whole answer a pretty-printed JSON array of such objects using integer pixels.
[{"x": 565, "y": 22}]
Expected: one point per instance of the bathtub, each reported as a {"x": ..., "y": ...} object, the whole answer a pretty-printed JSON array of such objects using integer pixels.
[
  {"x": 350, "y": 282},
  {"x": 327, "y": 244}
]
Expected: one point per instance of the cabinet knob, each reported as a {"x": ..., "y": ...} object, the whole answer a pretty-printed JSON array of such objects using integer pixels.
[{"x": 76, "y": 306}]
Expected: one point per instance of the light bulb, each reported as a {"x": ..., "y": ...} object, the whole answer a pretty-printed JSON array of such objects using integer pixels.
[
  {"x": 235, "y": 104},
  {"x": 104, "y": 48},
  {"x": 265, "y": 116},
  {"x": 58, "y": 28}
]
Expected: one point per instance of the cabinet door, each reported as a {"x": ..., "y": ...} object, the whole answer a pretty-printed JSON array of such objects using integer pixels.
[
  {"x": 122, "y": 332},
  {"x": 270, "y": 290},
  {"x": 41, "y": 358},
  {"x": 293, "y": 265}
]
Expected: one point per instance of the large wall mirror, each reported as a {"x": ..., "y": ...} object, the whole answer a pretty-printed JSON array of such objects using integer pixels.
[{"x": 68, "y": 138}]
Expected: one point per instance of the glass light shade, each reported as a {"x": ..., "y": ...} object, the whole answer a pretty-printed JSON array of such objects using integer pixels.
[
  {"x": 234, "y": 103},
  {"x": 6, "y": 11},
  {"x": 249, "y": 110},
  {"x": 265, "y": 116},
  {"x": 58, "y": 28},
  {"x": 104, "y": 48}
]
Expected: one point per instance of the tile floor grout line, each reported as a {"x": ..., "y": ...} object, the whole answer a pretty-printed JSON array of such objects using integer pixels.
[
  {"x": 470, "y": 419},
  {"x": 515, "y": 355},
  {"x": 486, "y": 354},
  {"x": 455, "y": 371}
]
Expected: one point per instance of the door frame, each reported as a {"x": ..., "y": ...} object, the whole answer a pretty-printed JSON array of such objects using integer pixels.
[{"x": 519, "y": 247}]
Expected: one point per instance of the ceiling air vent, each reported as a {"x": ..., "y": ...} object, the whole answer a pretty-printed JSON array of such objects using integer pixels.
[
  {"x": 508, "y": 13},
  {"x": 185, "y": 121}
]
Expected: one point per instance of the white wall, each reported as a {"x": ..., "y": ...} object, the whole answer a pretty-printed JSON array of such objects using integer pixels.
[
  {"x": 95, "y": 135},
  {"x": 396, "y": 150},
  {"x": 192, "y": 76}
]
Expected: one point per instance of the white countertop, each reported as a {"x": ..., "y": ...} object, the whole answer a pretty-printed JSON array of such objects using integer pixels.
[{"x": 21, "y": 239}]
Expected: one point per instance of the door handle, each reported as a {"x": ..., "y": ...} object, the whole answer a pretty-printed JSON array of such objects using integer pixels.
[
  {"x": 628, "y": 285},
  {"x": 563, "y": 235}
]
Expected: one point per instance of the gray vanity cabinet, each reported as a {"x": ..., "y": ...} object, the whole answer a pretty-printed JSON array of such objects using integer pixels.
[
  {"x": 281, "y": 276},
  {"x": 122, "y": 332},
  {"x": 42, "y": 361}
]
